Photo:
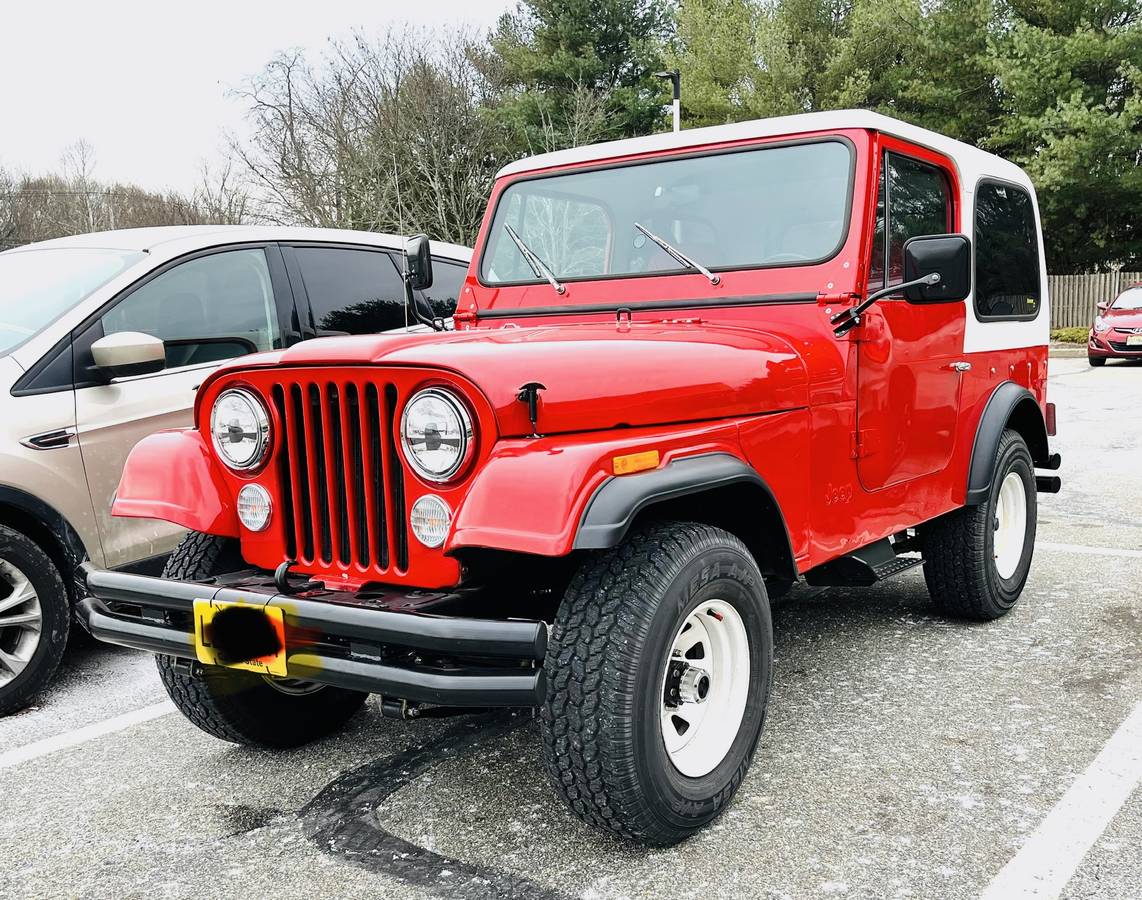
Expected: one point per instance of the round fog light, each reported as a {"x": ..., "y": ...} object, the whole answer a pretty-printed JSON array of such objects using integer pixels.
[
  {"x": 254, "y": 507},
  {"x": 430, "y": 519}
]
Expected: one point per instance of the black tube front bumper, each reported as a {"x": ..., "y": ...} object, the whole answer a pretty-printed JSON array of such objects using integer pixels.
[{"x": 344, "y": 640}]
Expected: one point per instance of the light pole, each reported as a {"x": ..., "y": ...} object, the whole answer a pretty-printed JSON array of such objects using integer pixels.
[{"x": 676, "y": 79}]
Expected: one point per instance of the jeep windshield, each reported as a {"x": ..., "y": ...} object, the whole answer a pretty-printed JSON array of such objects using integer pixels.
[
  {"x": 38, "y": 285},
  {"x": 778, "y": 206}
]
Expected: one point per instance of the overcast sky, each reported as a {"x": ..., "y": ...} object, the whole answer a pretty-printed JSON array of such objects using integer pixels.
[{"x": 145, "y": 83}]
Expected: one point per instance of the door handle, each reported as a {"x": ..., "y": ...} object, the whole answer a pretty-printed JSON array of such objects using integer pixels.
[{"x": 960, "y": 366}]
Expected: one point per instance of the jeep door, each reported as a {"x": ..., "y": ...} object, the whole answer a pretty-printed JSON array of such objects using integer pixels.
[
  {"x": 907, "y": 384},
  {"x": 206, "y": 308}
]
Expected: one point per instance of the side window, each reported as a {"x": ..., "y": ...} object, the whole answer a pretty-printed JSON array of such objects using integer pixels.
[
  {"x": 1006, "y": 253},
  {"x": 205, "y": 310},
  {"x": 918, "y": 201},
  {"x": 447, "y": 282},
  {"x": 352, "y": 291}
]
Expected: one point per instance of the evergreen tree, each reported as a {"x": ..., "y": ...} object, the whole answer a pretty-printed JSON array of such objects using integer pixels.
[{"x": 575, "y": 71}]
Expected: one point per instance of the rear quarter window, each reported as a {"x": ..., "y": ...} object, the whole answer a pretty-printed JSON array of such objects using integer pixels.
[{"x": 1006, "y": 253}]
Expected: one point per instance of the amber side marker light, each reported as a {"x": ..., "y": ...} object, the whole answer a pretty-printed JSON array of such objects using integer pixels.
[{"x": 636, "y": 462}]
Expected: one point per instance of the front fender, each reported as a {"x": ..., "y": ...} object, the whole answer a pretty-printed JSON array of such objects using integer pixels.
[
  {"x": 173, "y": 476},
  {"x": 531, "y": 494}
]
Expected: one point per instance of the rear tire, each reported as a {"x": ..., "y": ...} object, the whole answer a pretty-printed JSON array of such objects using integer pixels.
[
  {"x": 617, "y": 722},
  {"x": 1096, "y": 360},
  {"x": 977, "y": 558},
  {"x": 239, "y": 706},
  {"x": 35, "y": 616}
]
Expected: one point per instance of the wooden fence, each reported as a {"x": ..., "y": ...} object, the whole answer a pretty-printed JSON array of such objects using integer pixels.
[{"x": 1075, "y": 297}]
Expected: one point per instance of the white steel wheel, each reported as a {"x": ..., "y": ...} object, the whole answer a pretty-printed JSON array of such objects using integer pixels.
[
  {"x": 21, "y": 621},
  {"x": 704, "y": 688},
  {"x": 1010, "y": 525}
]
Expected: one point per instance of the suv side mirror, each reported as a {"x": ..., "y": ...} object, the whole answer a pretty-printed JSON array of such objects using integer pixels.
[
  {"x": 948, "y": 255},
  {"x": 418, "y": 254},
  {"x": 129, "y": 353}
]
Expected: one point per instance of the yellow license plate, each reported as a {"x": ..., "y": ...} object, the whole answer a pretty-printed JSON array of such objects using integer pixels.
[
  {"x": 214, "y": 648},
  {"x": 1134, "y": 340}
]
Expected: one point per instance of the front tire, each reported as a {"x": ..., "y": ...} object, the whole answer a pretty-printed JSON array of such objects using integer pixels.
[
  {"x": 35, "y": 616},
  {"x": 1096, "y": 360},
  {"x": 658, "y": 671},
  {"x": 239, "y": 706},
  {"x": 977, "y": 558}
]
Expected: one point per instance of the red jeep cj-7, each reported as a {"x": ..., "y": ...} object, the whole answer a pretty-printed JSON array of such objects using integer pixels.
[{"x": 687, "y": 371}]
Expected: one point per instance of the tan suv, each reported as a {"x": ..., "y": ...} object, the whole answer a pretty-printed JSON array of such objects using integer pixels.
[{"x": 103, "y": 340}]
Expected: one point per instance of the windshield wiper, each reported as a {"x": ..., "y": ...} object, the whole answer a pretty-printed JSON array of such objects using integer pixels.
[
  {"x": 679, "y": 255},
  {"x": 538, "y": 266}
]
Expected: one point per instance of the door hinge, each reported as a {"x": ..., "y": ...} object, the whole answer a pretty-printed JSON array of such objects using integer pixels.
[{"x": 860, "y": 444}]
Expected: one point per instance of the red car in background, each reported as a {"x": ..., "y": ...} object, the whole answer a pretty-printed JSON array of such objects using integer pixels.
[{"x": 1117, "y": 329}]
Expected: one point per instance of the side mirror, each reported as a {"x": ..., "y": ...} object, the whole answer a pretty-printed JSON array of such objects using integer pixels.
[
  {"x": 1103, "y": 306},
  {"x": 948, "y": 255},
  {"x": 129, "y": 353},
  {"x": 418, "y": 254}
]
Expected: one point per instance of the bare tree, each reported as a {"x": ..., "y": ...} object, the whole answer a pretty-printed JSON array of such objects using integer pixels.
[{"x": 387, "y": 134}]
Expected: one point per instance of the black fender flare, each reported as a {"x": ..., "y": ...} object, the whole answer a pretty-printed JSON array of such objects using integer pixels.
[
  {"x": 51, "y": 520},
  {"x": 1012, "y": 405},
  {"x": 618, "y": 500}
]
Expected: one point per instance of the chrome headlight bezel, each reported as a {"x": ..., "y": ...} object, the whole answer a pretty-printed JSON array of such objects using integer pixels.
[
  {"x": 261, "y": 431},
  {"x": 465, "y": 430}
]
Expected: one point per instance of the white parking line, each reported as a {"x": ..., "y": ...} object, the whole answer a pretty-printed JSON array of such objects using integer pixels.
[
  {"x": 82, "y": 735},
  {"x": 1046, "y": 862},
  {"x": 1091, "y": 551}
]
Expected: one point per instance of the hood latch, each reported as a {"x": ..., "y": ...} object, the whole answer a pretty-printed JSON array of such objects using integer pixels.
[{"x": 529, "y": 394}]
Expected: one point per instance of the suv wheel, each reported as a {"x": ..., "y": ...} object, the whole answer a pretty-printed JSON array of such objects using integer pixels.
[
  {"x": 35, "y": 614},
  {"x": 658, "y": 674},
  {"x": 976, "y": 559},
  {"x": 240, "y": 706},
  {"x": 1096, "y": 360}
]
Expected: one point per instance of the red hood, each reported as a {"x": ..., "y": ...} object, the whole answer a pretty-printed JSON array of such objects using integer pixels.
[
  {"x": 595, "y": 376},
  {"x": 1123, "y": 318}
]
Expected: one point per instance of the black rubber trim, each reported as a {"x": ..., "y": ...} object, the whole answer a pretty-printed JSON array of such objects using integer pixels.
[
  {"x": 453, "y": 636},
  {"x": 47, "y": 515},
  {"x": 996, "y": 415},
  {"x": 520, "y": 312},
  {"x": 618, "y": 500}
]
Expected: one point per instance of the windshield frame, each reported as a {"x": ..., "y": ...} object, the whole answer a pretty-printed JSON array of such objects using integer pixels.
[
  {"x": 140, "y": 255},
  {"x": 754, "y": 147}
]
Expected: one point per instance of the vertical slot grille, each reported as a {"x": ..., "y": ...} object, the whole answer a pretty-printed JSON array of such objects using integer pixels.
[{"x": 342, "y": 489}]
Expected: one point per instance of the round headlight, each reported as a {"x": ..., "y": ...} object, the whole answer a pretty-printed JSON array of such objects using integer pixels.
[
  {"x": 254, "y": 507},
  {"x": 240, "y": 427},
  {"x": 436, "y": 433},
  {"x": 430, "y": 519}
]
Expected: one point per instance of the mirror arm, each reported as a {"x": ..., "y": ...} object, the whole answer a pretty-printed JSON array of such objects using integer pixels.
[
  {"x": 436, "y": 324},
  {"x": 848, "y": 319}
]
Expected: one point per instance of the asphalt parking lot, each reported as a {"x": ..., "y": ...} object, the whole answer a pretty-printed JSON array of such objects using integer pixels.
[{"x": 904, "y": 756}]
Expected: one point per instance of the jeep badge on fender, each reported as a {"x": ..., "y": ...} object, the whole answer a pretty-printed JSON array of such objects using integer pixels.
[{"x": 686, "y": 372}]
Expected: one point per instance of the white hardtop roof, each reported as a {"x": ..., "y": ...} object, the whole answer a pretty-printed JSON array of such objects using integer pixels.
[
  {"x": 834, "y": 120},
  {"x": 190, "y": 237}
]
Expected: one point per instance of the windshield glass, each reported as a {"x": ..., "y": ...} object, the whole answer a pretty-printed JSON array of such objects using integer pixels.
[
  {"x": 1129, "y": 299},
  {"x": 37, "y": 286},
  {"x": 768, "y": 207}
]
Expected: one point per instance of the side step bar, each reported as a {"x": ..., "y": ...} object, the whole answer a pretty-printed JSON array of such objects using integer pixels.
[{"x": 862, "y": 568}]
